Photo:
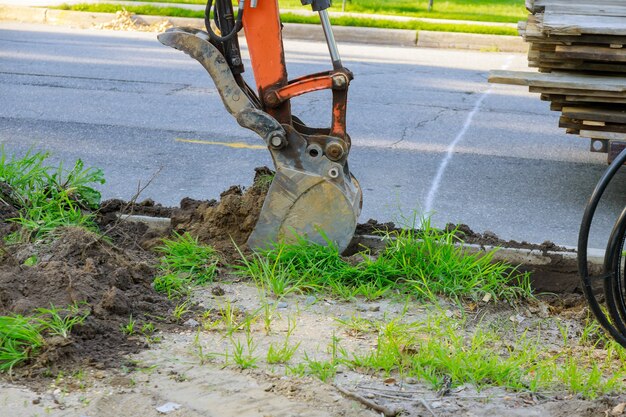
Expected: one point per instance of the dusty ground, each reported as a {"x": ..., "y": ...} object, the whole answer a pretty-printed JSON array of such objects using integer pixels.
[
  {"x": 189, "y": 363},
  {"x": 180, "y": 369}
]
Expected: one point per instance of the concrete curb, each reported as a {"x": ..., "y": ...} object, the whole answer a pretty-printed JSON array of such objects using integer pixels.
[
  {"x": 551, "y": 271},
  {"x": 23, "y": 14},
  {"x": 294, "y": 31},
  {"x": 156, "y": 224},
  {"x": 512, "y": 255}
]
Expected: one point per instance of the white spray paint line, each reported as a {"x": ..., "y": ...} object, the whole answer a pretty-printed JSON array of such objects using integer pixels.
[{"x": 432, "y": 193}]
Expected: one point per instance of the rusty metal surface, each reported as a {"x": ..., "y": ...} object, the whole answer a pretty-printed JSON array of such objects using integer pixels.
[
  {"x": 336, "y": 80},
  {"x": 615, "y": 147}
]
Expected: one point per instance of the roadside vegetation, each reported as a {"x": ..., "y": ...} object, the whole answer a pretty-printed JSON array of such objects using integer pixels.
[
  {"x": 296, "y": 18},
  {"x": 505, "y": 11},
  {"x": 447, "y": 347},
  {"x": 47, "y": 197},
  {"x": 23, "y": 338},
  {"x": 425, "y": 264}
]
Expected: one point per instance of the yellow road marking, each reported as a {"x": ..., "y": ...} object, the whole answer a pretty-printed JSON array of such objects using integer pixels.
[{"x": 236, "y": 145}]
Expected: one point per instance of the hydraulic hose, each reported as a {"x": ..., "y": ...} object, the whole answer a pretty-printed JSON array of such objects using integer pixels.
[
  {"x": 614, "y": 293},
  {"x": 207, "y": 22},
  {"x": 611, "y": 276}
]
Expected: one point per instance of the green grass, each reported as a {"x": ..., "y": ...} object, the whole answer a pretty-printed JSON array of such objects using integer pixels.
[
  {"x": 264, "y": 181},
  {"x": 412, "y": 25},
  {"x": 480, "y": 10},
  {"x": 48, "y": 196},
  {"x": 144, "y": 9},
  {"x": 281, "y": 353},
  {"x": 184, "y": 263},
  {"x": 58, "y": 322},
  {"x": 129, "y": 328},
  {"x": 441, "y": 348},
  {"x": 243, "y": 352},
  {"x": 295, "y": 18},
  {"x": 434, "y": 262},
  {"x": 22, "y": 338},
  {"x": 425, "y": 264},
  {"x": 325, "y": 371}
]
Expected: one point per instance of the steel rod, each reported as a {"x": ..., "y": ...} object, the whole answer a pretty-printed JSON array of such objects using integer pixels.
[{"x": 330, "y": 39}]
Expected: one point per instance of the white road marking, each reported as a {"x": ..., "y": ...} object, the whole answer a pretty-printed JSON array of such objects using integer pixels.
[{"x": 432, "y": 193}]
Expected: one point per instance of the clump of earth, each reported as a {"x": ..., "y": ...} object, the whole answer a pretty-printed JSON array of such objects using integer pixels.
[
  {"x": 83, "y": 269},
  {"x": 226, "y": 224}
]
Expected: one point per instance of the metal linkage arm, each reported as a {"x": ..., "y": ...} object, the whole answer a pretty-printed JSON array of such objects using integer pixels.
[{"x": 194, "y": 42}]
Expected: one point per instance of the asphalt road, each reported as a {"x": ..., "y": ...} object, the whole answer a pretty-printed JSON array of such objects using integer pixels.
[{"x": 429, "y": 133}]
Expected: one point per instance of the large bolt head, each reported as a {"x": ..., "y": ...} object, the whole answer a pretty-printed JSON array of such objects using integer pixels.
[
  {"x": 277, "y": 140},
  {"x": 340, "y": 81},
  {"x": 334, "y": 151},
  {"x": 271, "y": 99}
]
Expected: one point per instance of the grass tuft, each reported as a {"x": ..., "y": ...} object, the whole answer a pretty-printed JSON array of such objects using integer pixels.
[
  {"x": 48, "y": 197},
  {"x": 59, "y": 322},
  {"x": 184, "y": 263},
  {"x": 22, "y": 338},
  {"x": 426, "y": 264},
  {"x": 435, "y": 262}
]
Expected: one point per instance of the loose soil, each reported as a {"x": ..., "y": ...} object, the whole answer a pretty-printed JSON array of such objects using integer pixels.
[
  {"x": 79, "y": 267},
  {"x": 228, "y": 221},
  {"x": 100, "y": 371},
  {"x": 464, "y": 233}
]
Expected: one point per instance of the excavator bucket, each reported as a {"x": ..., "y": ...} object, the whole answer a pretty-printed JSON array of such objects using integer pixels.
[
  {"x": 313, "y": 193},
  {"x": 301, "y": 204},
  {"x": 310, "y": 196}
]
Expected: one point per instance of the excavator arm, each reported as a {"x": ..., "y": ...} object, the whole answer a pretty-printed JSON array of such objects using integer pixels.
[{"x": 313, "y": 193}]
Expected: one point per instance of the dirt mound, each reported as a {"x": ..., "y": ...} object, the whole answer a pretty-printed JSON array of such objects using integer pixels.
[
  {"x": 229, "y": 220},
  {"x": 80, "y": 267},
  {"x": 374, "y": 227},
  {"x": 146, "y": 208},
  {"x": 131, "y": 234},
  {"x": 463, "y": 232},
  {"x": 487, "y": 238},
  {"x": 125, "y": 20},
  {"x": 109, "y": 275}
]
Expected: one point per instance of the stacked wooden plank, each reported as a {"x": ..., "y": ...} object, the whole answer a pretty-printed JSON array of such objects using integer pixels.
[{"x": 579, "y": 48}]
